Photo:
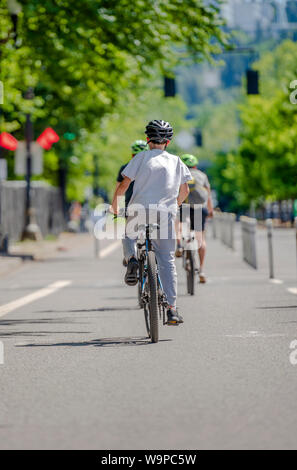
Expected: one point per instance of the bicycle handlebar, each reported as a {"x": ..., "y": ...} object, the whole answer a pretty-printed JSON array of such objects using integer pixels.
[{"x": 122, "y": 213}]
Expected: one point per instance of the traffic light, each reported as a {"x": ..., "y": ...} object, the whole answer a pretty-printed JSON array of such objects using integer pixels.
[
  {"x": 169, "y": 87},
  {"x": 198, "y": 137},
  {"x": 252, "y": 81},
  {"x": 69, "y": 135}
]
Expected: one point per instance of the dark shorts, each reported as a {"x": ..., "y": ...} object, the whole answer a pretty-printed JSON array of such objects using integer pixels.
[{"x": 192, "y": 217}]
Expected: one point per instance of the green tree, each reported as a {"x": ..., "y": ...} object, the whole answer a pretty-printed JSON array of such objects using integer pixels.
[
  {"x": 265, "y": 164},
  {"x": 111, "y": 143},
  {"x": 81, "y": 58}
]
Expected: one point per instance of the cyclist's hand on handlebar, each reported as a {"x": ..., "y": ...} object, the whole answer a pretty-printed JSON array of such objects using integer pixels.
[
  {"x": 111, "y": 210},
  {"x": 122, "y": 212},
  {"x": 118, "y": 212}
]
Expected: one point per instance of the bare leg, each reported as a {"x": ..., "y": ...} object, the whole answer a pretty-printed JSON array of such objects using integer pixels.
[
  {"x": 199, "y": 239},
  {"x": 202, "y": 253},
  {"x": 178, "y": 232},
  {"x": 178, "y": 227}
]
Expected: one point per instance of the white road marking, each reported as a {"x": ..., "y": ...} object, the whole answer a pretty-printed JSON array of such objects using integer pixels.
[
  {"x": 292, "y": 290},
  {"x": 109, "y": 249},
  {"x": 276, "y": 281},
  {"x": 257, "y": 334},
  {"x": 50, "y": 289}
]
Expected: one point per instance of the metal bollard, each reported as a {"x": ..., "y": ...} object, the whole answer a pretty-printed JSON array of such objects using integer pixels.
[
  {"x": 232, "y": 227},
  {"x": 270, "y": 247}
]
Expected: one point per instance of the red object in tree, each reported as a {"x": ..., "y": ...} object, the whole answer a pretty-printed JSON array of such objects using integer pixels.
[
  {"x": 7, "y": 141},
  {"x": 47, "y": 138},
  {"x": 43, "y": 142}
]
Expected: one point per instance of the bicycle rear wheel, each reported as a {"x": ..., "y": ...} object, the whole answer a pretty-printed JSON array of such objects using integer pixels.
[
  {"x": 140, "y": 279},
  {"x": 153, "y": 297},
  {"x": 190, "y": 270}
]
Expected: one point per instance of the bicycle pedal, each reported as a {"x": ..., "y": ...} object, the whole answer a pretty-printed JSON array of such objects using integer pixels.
[{"x": 175, "y": 323}]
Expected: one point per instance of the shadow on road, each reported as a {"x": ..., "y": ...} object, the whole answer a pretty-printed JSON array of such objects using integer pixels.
[
  {"x": 123, "y": 297},
  {"x": 86, "y": 310},
  {"x": 42, "y": 321},
  {"x": 40, "y": 333},
  {"x": 277, "y": 307},
  {"x": 33, "y": 321},
  {"x": 102, "y": 342}
]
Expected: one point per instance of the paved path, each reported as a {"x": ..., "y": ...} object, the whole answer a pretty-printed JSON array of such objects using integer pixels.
[{"x": 80, "y": 373}]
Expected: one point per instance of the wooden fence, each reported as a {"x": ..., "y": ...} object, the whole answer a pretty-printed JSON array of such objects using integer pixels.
[{"x": 46, "y": 201}]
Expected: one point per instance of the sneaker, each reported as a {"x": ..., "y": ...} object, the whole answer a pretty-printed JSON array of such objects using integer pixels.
[
  {"x": 125, "y": 264},
  {"x": 131, "y": 277},
  {"x": 202, "y": 278},
  {"x": 173, "y": 317}
]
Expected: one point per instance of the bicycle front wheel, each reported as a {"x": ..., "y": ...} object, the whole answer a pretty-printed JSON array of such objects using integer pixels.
[
  {"x": 140, "y": 279},
  {"x": 153, "y": 297}
]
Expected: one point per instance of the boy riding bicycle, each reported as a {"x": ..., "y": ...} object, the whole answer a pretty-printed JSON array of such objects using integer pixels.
[
  {"x": 137, "y": 147},
  {"x": 200, "y": 194},
  {"x": 160, "y": 180}
]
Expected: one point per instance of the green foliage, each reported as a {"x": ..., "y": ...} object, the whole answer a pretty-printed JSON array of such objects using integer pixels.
[
  {"x": 225, "y": 179},
  {"x": 218, "y": 118},
  {"x": 111, "y": 143},
  {"x": 265, "y": 164},
  {"x": 86, "y": 60}
]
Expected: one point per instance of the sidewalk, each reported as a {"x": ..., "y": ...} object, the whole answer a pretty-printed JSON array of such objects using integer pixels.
[
  {"x": 50, "y": 248},
  {"x": 44, "y": 250},
  {"x": 66, "y": 245}
]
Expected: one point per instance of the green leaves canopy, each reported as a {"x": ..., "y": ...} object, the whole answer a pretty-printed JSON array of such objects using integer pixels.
[
  {"x": 265, "y": 164},
  {"x": 80, "y": 56}
]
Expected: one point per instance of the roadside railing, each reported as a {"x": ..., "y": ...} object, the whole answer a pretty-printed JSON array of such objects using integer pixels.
[
  {"x": 45, "y": 199},
  {"x": 249, "y": 235},
  {"x": 223, "y": 228}
]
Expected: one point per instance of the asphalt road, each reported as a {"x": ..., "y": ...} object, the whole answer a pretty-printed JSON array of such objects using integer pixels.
[{"x": 79, "y": 372}]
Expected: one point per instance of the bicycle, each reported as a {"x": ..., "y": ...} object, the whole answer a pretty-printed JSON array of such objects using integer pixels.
[
  {"x": 150, "y": 291},
  {"x": 151, "y": 296},
  {"x": 189, "y": 264}
]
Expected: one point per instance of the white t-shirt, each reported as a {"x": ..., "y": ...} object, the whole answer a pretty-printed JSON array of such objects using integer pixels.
[{"x": 157, "y": 177}]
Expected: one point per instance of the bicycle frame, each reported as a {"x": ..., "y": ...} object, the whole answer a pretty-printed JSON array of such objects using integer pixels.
[{"x": 144, "y": 246}]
